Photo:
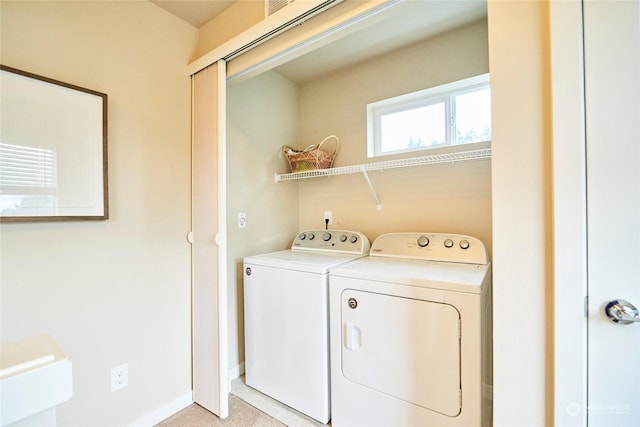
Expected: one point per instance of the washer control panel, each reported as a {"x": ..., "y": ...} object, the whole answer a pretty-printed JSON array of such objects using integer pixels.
[
  {"x": 335, "y": 241},
  {"x": 431, "y": 247}
]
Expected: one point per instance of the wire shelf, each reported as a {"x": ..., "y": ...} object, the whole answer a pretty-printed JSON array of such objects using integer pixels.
[{"x": 434, "y": 159}]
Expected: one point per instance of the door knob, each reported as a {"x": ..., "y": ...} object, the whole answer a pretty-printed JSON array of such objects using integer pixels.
[{"x": 621, "y": 311}]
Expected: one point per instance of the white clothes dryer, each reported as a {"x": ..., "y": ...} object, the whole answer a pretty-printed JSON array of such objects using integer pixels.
[
  {"x": 286, "y": 312},
  {"x": 411, "y": 333}
]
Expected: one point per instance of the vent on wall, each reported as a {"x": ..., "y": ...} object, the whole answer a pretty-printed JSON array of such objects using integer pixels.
[{"x": 272, "y": 6}]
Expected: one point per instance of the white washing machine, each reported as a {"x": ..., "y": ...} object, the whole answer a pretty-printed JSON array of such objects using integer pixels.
[
  {"x": 286, "y": 312},
  {"x": 410, "y": 330}
]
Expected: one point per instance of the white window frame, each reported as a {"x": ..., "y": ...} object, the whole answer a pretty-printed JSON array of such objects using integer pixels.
[{"x": 440, "y": 94}]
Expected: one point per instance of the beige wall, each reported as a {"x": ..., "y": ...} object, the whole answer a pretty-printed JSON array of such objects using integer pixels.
[
  {"x": 116, "y": 291},
  {"x": 260, "y": 115},
  {"x": 231, "y": 22},
  {"x": 442, "y": 198}
]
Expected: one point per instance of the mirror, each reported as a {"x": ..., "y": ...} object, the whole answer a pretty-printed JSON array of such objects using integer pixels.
[{"x": 53, "y": 150}]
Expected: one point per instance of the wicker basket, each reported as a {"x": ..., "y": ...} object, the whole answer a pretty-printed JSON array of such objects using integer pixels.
[{"x": 313, "y": 157}]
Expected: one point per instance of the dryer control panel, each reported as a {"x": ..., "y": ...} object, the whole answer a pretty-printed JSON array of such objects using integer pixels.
[
  {"x": 334, "y": 241},
  {"x": 431, "y": 247}
]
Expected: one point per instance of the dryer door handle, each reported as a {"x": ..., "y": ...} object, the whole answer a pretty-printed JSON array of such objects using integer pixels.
[{"x": 352, "y": 335}]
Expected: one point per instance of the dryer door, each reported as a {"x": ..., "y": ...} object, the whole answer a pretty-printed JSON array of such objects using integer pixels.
[{"x": 406, "y": 348}]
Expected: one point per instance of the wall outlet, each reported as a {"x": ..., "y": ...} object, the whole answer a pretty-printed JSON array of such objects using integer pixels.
[
  {"x": 242, "y": 220},
  {"x": 119, "y": 377},
  {"x": 328, "y": 215}
]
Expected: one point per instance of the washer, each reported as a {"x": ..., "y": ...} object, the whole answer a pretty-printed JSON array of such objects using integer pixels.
[
  {"x": 286, "y": 297},
  {"x": 410, "y": 333}
]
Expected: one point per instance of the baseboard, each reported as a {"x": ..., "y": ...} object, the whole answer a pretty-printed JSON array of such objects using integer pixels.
[
  {"x": 172, "y": 407},
  {"x": 162, "y": 413},
  {"x": 236, "y": 371}
]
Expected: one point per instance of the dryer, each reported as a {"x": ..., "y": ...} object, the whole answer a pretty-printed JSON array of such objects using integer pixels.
[
  {"x": 286, "y": 312},
  {"x": 410, "y": 330}
]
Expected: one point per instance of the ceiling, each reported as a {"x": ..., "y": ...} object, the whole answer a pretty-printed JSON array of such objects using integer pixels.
[
  {"x": 195, "y": 12},
  {"x": 413, "y": 21}
]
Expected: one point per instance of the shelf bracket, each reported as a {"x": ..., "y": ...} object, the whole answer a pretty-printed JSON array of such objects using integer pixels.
[{"x": 373, "y": 190}]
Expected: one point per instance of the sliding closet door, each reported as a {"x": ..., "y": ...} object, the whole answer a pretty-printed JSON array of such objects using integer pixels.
[{"x": 210, "y": 372}]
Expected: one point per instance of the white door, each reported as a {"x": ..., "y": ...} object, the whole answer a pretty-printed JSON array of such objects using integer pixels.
[
  {"x": 209, "y": 300},
  {"x": 612, "y": 88}
]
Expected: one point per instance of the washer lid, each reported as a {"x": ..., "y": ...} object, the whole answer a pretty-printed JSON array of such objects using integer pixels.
[
  {"x": 449, "y": 276},
  {"x": 312, "y": 262}
]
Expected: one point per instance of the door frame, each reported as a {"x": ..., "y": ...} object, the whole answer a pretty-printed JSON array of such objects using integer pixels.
[{"x": 568, "y": 151}]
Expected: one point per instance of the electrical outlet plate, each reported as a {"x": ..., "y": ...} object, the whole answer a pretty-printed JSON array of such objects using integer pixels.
[
  {"x": 328, "y": 215},
  {"x": 242, "y": 220},
  {"x": 119, "y": 377}
]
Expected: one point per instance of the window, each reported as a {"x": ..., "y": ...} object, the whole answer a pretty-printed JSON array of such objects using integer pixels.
[{"x": 452, "y": 114}]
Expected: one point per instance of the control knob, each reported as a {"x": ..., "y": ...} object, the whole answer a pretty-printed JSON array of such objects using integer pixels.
[
  {"x": 353, "y": 239},
  {"x": 312, "y": 236},
  {"x": 326, "y": 237},
  {"x": 303, "y": 236},
  {"x": 448, "y": 243},
  {"x": 343, "y": 238},
  {"x": 464, "y": 244},
  {"x": 423, "y": 241}
]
